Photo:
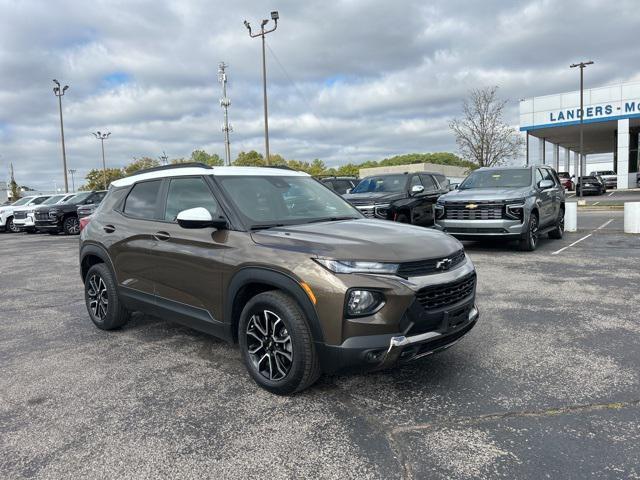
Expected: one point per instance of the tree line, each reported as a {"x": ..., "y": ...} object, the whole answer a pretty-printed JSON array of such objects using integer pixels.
[{"x": 95, "y": 178}]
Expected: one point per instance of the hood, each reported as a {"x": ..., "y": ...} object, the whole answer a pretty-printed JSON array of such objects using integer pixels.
[
  {"x": 368, "y": 198},
  {"x": 361, "y": 239},
  {"x": 478, "y": 194}
]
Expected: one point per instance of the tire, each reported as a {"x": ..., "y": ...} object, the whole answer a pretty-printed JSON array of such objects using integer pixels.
[
  {"x": 558, "y": 232},
  {"x": 71, "y": 225},
  {"x": 529, "y": 241},
  {"x": 101, "y": 297},
  {"x": 276, "y": 344},
  {"x": 403, "y": 218},
  {"x": 11, "y": 227}
]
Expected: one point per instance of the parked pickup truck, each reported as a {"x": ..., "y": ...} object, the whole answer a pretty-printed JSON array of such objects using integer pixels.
[{"x": 521, "y": 203}]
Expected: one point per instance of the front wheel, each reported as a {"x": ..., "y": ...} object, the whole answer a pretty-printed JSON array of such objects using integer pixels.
[
  {"x": 71, "y": 226},
  {"x": 11, "y": 227},
  {"x": 276, "y": 344},
  {"x": 529, "y": 241}
]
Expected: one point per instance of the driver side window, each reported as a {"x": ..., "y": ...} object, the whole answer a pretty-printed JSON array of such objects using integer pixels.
[
  {"x": 415, "y": 180},
  {"x": 538, "y": 176},
  {"x": 186, "y": 193}
]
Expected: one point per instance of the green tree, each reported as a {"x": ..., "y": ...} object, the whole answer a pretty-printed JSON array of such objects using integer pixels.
[
  {"x": 95, "y": 178},
  {"x": 211, "y": 159},
  {"x": 13, "y": 186},
  {"x": 140, "y": 164},
  {"x": 277, "y": 159},
  {"x": 249, "y": 159}
]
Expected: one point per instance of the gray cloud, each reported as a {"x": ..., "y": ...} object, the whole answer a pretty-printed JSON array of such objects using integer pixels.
[{"x": 350, "y": 80}]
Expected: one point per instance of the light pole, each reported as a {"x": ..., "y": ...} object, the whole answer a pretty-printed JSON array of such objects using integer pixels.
[
  {"x": 274, "y": 16},
  {"x": 582, "y": 66},
  {"x": 72, "y": 171},
  {"x": 163, "y": 158},
  {"x": 225, "y": 102},
  {"x": 102, "y": 137},
  {"x": 59, "y": 92}
]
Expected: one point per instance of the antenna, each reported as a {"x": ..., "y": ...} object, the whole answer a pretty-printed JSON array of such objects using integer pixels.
[{"x": 225, "y": 102}]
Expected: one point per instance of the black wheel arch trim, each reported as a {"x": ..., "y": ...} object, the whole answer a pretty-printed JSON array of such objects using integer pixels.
[
  {"x": 279, "y": 280},
  {"x": 98, "y": 251}
]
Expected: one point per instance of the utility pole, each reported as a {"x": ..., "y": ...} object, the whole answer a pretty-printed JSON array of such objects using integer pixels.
[
  {"x": 225, "y": 102},
  {"x": 274, "y": 16},
  {"x": 72, "y": 171},
  {"x": 579, "y": 172},
  {"x": 102, "y": 137},
  {"x": 59, "y": 92}
]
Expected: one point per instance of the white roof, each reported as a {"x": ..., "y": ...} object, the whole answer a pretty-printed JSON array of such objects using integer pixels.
[{"x": 217, "y": 171}]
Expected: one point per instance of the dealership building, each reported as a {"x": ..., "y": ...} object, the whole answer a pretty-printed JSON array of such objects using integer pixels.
[{"x": 611, "y": 125}]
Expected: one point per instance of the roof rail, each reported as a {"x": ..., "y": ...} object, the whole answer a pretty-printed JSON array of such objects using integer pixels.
[
  {"x": 171, "y": 167},
  {"x": 283, "y": 167}
]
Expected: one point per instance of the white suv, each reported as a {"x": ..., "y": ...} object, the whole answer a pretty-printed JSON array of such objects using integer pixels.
[
  {"x": 6, "y": 213},
  {"x": 28, "y": 223},
  {"x": 20, "y": 212}
]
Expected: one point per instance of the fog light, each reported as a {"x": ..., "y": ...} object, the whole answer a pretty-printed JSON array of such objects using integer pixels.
[{"x": 363, "y": 302}]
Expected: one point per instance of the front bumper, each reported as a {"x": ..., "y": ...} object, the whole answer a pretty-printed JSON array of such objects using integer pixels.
[
  {"x": 47, "y": 225},
  {"x": 481, "y": 228}
]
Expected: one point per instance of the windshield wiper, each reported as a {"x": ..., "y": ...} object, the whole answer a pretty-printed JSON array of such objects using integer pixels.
[{"x": 267, "y": 226}]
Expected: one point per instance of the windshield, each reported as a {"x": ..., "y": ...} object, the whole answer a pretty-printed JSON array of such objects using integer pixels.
[
  {"x": 52, "y": 200},
  {"x": 386, "y": 183},
  {"x": 78, "y": 198},
  {"x": 269, "y": 201},
  {"x": 22, "y": 201},
  {"x": 507, "y": 178}
]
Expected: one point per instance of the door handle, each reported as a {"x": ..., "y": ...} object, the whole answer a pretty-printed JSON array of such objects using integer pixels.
[
  {"x": 109, "y": 228},
  {"x": 162, "y": 236}
]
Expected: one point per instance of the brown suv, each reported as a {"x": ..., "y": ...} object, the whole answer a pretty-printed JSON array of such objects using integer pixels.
[{"x": 273, "y": 260}]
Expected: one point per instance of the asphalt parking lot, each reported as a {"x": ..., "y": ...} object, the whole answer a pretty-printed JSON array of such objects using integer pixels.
[{"x": 546, "y": 385}]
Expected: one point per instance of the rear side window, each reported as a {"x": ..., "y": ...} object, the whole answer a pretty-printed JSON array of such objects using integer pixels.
[
  {"x": 186, "y": 193},
  {"x": 429, "y": 184},
  {"x": 443, "y": 181},
  {"x": 142, "y": 201},
  {"x": 341, "y": 186}
]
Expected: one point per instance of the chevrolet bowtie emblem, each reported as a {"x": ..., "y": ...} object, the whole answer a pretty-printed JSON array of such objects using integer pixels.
[
  {"x": 471, "y": 206},
  {"x": 444, "y": 264}
]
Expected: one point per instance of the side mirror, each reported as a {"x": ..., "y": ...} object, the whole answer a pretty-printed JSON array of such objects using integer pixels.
[
  {"x": 349, "y": 190},
  {"x": 544, "y": 184},
  {"x": 453, "y": 186},
  {"x": 417, "y": 189},
  {"x": 200, "y": 217}
]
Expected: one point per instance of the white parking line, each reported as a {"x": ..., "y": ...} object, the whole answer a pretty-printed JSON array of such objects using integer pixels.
[
  {"x": 595, "y": 203},
  {"x": 574, "y": 243},
  {"x": 571, "y": 195},
  {"x": 611, "y": 194},
  {"x": 604, "y": 224}
]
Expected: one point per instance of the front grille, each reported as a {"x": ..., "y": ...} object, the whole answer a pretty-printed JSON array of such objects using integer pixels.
[
  {"x": 488, "y": 211},
  {"x": 20, "y": 215},
  {"x": 42, "y": 216},
  {"x": 442, "y": 296},
  {"x": 434, "y": 265},
  {"x": 367, "y": 211}
]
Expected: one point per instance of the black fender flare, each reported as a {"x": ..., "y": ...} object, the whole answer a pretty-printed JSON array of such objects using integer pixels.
[
  {"x": 279, "y": 280},
  {"x": 98, "y": 251}
]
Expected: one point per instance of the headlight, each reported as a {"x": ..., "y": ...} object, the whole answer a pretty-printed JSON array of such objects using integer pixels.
[
  {"x": 439, "y": 210},
  {"x": 348, "y": 266},
  {"x": 381, "y": 210},
  {"x": 515, "y": 211},
  {"x": 363, "y": 302}
]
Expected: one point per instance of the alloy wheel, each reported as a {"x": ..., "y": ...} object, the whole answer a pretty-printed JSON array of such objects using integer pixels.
[
  {"x": 73, "y": 226},
  {"x": 269, "y": 345},
  {"x": 561, "y": 222},
  {"x": 98, "y": 297},
  {"x": 13, "y": 227},
  {"x": 533, "y": 230}
]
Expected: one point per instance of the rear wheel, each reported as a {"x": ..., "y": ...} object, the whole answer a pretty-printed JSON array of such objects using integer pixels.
[
  {"x": 101, "y": 297},
  {"x": 276, "y": 344},
  {"x": 71, "y": 226},
  {"x": 558, "y": 231},
  {"x": 529, "y": 241}
]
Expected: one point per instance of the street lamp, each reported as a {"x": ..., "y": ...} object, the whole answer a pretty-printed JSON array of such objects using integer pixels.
[
  {"x": 72, "y": 171},
  {"x": 274, "y": 16},
  {"x": 582, "y": 66},
  {"x": 102, "y": 137},
  {"x": 59, "y": 92}
]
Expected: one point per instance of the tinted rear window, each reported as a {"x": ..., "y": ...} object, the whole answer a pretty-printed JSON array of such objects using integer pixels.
[{"x": 142, "y": 202}]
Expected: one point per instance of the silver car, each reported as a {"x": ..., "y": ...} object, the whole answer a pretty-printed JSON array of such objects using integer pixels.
[{"x": 521, "y": 203}]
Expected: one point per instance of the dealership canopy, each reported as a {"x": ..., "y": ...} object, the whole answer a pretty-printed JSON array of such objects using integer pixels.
[{"x": 611, "y": 124}]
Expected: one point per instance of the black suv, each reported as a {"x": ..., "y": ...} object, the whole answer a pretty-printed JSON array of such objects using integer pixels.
[
  {"x": 64, "y": 217},
  {"x": 340, "y": 185},
  {"x": 401, "y": 197}
]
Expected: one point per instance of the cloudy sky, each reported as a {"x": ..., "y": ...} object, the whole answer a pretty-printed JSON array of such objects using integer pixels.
[{"x": 349, "y": 80}]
